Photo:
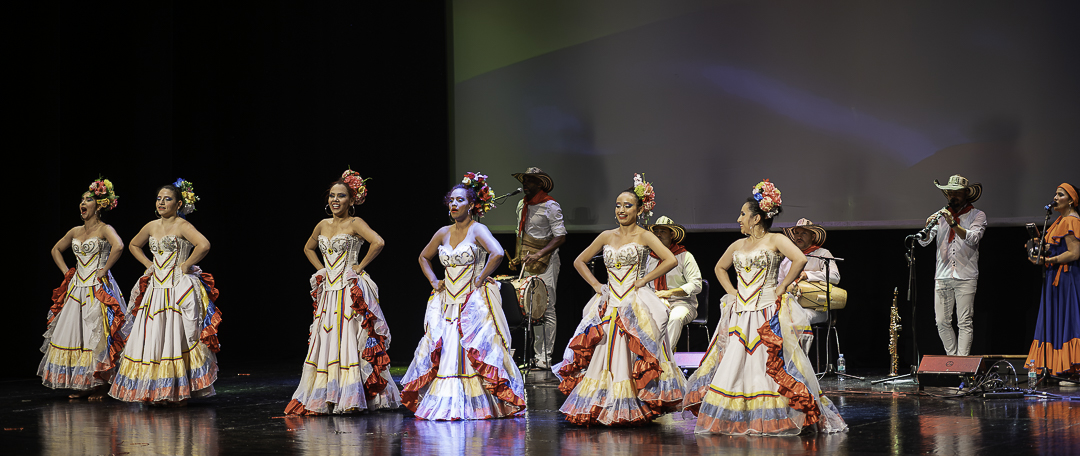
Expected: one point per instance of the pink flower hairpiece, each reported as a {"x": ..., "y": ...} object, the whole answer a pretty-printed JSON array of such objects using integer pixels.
[
  {"x": 644, "y": 190},
  {"x": 768, "y": 198},
  {"x": 104, "y": 194},
  {"x": 357, "y": 185},
  {"x": 484, "y": 194}
]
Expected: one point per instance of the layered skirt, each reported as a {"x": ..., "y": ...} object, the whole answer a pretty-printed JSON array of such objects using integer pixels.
[
  {"x": 462, "y": 368},
  {"x": 755, "y": 377},
  {"x": 346, "y": 368},
  {"x": 87, "y": 328},
  {"x": 618, "y": 369},
  {"x": 170, "y": 354},
  {"x": 1057, "y": 331}
]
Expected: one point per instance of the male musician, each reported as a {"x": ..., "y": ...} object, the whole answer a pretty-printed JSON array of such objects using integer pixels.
[
  {"x": 809, "y": 238},
  {"x": 959, "y": 229},
  {"x": 540, "y": 232},
  {"x": 680, "y": 286}
]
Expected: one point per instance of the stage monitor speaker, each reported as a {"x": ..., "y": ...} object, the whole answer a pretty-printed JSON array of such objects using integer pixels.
[
  {"x": 939, "y": 370},
  {"x": 688, "y": 360}
]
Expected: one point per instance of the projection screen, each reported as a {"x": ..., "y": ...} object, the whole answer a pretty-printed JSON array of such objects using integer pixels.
[{"x": 851, "y": 108}]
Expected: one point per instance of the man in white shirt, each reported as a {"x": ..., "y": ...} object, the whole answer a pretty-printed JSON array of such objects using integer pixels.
[
  {"x": 809, "y": 238},
  {"x": 540, "y": 232},
  {"x": 959, "y": 229},
  {"x": 680, "y": 286}
]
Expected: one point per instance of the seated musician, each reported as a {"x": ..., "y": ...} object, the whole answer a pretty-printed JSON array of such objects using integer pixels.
[
  {"x": 680, "y": 286},
  {"x": 809, "y": 237}
]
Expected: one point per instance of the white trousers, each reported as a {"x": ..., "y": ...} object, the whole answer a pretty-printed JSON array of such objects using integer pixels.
[
  {"x": 958, "y": 295},
  {"x": 544, "y": 338},
  {"x": 680, "y": 315}
]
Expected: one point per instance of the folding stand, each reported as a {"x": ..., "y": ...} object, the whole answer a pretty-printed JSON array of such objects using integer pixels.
[{"x": 829, "y": 321}]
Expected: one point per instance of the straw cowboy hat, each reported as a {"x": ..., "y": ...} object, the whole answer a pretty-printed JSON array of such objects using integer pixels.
[
  {"x": 545, "y": 180},
  {"x": 958, "y": 182},
  {"x": 678, "y": 232},
  {"x": 818, "y": 231}
]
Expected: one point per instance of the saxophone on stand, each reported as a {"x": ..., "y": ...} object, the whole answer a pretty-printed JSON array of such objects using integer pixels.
[{"x": 894, "y": 335}]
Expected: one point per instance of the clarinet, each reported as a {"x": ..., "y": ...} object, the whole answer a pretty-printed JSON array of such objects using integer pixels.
[{"x": 929, "y": 226}]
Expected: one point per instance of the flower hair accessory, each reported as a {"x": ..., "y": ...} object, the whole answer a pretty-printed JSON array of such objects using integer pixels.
[
  {"x": 768, "y": 198},
  {"x": 104, "y": 195},
  {"x": 187, "y": 193},
  {"x": 484, "y": 194},
  {"x": 356, "y": 185},
  {"x": 644, "y": 190}
]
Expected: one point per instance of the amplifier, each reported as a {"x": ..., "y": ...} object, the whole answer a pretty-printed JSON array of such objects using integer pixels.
[
  {"x": 688, "y": 360},
  {"x": 940, "y": 370}
]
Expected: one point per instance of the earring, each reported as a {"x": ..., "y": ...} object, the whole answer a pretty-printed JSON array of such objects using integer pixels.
[
  {"x": 328, "y": 209},
  {"x": 352, "y": 211}
]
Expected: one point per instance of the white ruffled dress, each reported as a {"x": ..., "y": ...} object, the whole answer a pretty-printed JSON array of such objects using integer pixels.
[{"x": 346, "y": 368}]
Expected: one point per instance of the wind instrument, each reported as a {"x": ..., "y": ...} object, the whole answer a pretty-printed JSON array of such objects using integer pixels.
[
  {"x": 894, "y": 335},
  {"x": 930, "y": 224}
]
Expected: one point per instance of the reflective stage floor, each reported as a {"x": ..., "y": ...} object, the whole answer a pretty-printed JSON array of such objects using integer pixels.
[{"x": 246, "y": 418}]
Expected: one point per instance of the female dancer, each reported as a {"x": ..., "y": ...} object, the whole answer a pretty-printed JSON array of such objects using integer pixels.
[
  {"x": 1059, "y": 309},
  {"x": 755, "y": 378},
  {"x": 86, "y": 325},
  {"x": 462, "y": 369},
  {"x": 169, "y": 356},
  {"x": 618, "y": 367},
  {"x": 346, "y": 368}
]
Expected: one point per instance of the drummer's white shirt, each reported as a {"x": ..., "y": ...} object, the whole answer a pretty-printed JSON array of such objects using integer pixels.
[
  {"x": 545, "y": 220},
  {"x": 685, "y": 275},
  {"x": 815, "y": 268}
]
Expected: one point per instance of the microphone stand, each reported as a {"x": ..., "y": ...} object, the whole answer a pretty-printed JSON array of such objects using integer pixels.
[
  {"x": 829, "y": 321},
  {"x": 913, "y": 374},
  {"x": 1046, "y": 373},
  {"x": 499, "y": 199}
]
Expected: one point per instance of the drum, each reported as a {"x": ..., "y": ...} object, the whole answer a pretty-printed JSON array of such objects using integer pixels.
[
  {"x": 812, "y": 295},
  {"x": 532, "y": 297}
]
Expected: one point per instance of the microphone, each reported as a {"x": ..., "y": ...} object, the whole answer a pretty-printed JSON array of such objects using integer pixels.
[
  {"x": 1049, "y": 207},
  {"x": 515, "y": 192}
]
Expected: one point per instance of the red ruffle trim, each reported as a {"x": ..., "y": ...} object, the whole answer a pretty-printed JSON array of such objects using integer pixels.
[
  {"x": 375, "y": 354},
  {"x": 645, "y": 369},
  {"x": 498, "y": 386},
  {"x": 210, "y": 332},
  {"x": 59, "y": 297},
  {"x": 116, "y": 347},
  {"x": 295, "y": 407},
  {"x": 410, "y": 392},
  {"x": 582, "y": 345},
  {"x": 144, "y": 283},
  {"x": 594, "y": 414},
  {"x": 799, "y": 397}
]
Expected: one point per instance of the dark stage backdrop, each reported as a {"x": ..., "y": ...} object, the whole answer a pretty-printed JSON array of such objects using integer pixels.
[
  {"x": 262, "y": 106},
  {"x": 852, "y": 108}
]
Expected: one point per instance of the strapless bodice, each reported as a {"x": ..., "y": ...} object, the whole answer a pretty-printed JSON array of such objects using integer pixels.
[
  {"x": 169, "y": 253},
  {"x": 624, "y": 266},
  {"x": 756, "y": 271},
  {"x": 340, "y": 253},
  {"x": 463, "y": 263},
  {"x": 90, "y": 255}
]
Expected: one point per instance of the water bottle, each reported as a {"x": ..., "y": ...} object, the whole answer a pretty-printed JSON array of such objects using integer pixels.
[
  {"x": 1032, "y": 378},
  {"x": 841, "y": 367}
]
